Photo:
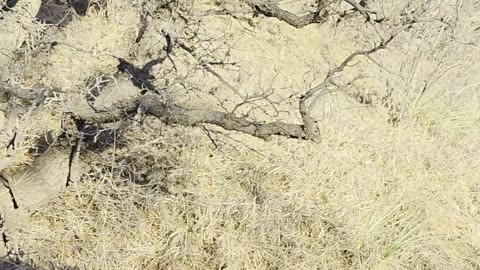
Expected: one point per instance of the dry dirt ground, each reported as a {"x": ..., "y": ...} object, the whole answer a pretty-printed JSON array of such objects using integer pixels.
[{"x": 394, "y": 182}]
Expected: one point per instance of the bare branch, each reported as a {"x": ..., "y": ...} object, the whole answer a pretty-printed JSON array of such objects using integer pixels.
[
  {"x": 116, "y": 112},
  {"x": 270, "y": 9},
  {"x": 323, "y": 88},
  {"x": 192, "y": 52},
  {"x": 364, "y": 11},
  {"x": 170, "y": 113}
]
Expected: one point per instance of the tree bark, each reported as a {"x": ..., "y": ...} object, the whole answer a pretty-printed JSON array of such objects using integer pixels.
[{"x": 272, "y": 10}]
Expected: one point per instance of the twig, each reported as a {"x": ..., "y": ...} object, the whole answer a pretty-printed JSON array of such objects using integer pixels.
[
  {"x": 310, "y": 126},
  {"x": 192, "y": 52}
]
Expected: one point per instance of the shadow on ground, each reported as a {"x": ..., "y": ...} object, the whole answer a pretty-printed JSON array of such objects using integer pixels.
[{"x": 6, "y": 264}]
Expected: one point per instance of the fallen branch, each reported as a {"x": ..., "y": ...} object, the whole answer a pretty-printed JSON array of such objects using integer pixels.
[
  {"x": 144, "y": 14},
  {"x": 270, "y": 9},
  {"x": 207, "y": 68},
  {"x": 323, "y": 88},
  {"x": 170, "y": 113},
  {"x": 363, "y": 10},
  {"x": 115, "y": 112}
]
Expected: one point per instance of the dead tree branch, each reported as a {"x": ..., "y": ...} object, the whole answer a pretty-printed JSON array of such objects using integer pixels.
[
  {"x": 363, "y": 10},
  {"x": 323, "y": 88},
  {"x": 170, "y": 113},
  {"x": 207, "y": 68},
  {"x": 270, "y": 9}
]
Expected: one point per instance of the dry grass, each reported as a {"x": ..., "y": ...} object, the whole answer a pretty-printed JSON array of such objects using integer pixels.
[
  {"x": 381, "y": 197},
  {"x": 371, "y": 195}
]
